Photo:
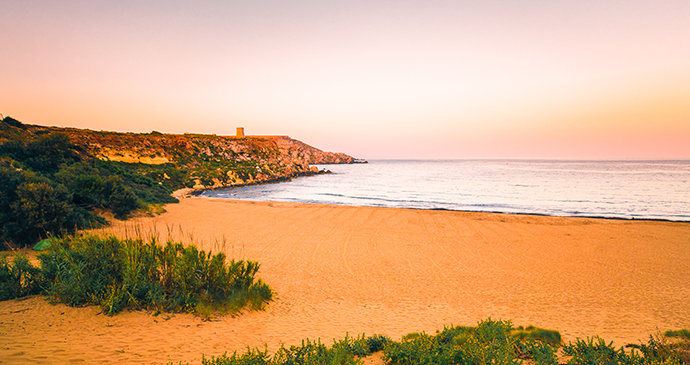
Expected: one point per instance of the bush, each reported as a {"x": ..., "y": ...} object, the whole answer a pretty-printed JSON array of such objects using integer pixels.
[
  {"x": 33, "y": 207},
  {"x": 120, "y": 199},
  {"x": 117, "y": 274},
  {"x": 378, "y": 342},
  {"x": 39, "y": 211},
  {"x": 537, "y": 351},
  {"x": 491, "y": 342},
  {"x": 47, "y": 152},
  {"x": 418, "y": 349},
  {"x": 659, "y": 350},
  {"x": 683, "y": 334},
  {"x": 251, "y": 357},
  {"x": 48, "y": 185},
  {"x": 552, "y": 338},
  {"x": 346, "y": 351},
  {"x": 13, "y": 122},
  {"x": 595, "y": 351},
  {"x": 18, "y": 279},
  {"x": 357, "y": 346}
]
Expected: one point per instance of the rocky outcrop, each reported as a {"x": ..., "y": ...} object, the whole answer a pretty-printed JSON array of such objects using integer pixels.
[
  {"x": 207, "y": 161},
  {"x": 313, "y": 155}
]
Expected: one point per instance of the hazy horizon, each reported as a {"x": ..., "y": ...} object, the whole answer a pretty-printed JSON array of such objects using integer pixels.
[{"x": 497, "y": 79}]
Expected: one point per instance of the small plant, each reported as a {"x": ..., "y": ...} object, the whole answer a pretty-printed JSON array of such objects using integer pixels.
[
  {"x": 682, "y": 334},
  {"x": 550, "y": 337},
  {"x": 251, "y": 357},
  {"x": 420, "y": 348},
  {"x": 358, "y": 346},
  {"x": 661, "y": 350},
  {"x": 19, "y": 278},
  {"x": 491, "y": 343},
  {"x": 378, "y": 342},
  {"x": 537, "y": 351},
  {"x": 595, "y": 351},
  {"x": 311, "y": 352}
]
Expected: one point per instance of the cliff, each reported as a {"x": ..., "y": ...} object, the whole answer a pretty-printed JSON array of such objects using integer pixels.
[{"x": 204, "y": 161}]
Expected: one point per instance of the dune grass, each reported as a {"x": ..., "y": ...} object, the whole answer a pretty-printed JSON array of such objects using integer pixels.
[
  {"x": 490, "y": 342},
  {"x": 347, "y": 351},
  {"x": 116, "y": 274},
  {"x": 682, "y": 334},
  {"x": 550, "y": 337}
]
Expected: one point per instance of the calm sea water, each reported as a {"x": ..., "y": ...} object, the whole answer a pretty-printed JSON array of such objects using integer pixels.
[{"x": 614, "y": 189}]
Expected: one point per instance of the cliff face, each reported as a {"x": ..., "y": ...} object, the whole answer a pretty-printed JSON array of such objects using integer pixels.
[
  {"x": 207, "y": 161},
  {"x": 163, "y": 148},
  {"x": 313, "y": 155}
]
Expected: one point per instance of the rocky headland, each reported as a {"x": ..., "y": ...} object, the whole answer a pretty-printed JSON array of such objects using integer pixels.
[{"x": 198, "y": 161}]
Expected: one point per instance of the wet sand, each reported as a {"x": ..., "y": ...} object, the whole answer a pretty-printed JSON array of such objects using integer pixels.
[{"x": 339, "y": 269}]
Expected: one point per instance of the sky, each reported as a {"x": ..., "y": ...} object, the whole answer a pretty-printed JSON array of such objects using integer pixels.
[{"x": 374, "y": 79}]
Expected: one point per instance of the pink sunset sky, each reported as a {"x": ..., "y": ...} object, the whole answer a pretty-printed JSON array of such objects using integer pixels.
[{"x": 374, "y": 79}]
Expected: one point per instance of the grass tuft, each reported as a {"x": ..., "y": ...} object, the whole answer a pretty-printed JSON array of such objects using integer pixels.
[{"x": 117, "y": 274}]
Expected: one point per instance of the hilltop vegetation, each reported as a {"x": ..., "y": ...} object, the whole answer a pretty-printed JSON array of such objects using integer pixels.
[{"x": 52, "y": 180}]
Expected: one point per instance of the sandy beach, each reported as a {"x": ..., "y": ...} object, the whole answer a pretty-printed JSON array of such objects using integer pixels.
[{"x": 341, "y": 269}]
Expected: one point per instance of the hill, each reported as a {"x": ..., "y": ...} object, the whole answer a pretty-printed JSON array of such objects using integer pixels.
[
  {"x": 211, "y": 161},
  {"x": 54, "y": 178}
]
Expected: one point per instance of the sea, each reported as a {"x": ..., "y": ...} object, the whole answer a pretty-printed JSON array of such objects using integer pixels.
[{"x": 653, "y": 190}]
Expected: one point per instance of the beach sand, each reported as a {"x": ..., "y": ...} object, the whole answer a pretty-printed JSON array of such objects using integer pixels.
[{"x": 340, "y": 269}]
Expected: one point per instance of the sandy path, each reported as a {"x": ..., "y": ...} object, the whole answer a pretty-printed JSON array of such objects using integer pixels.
[{"x": 343, "y": 269}]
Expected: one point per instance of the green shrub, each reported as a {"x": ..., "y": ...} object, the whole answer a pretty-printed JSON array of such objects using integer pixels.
[
  {"x": 47, "y": 152},
  {"x": 118, "y": 274},
  {"x": 659, "y": 350},
  {"x": 40, "y": 210},
  {"x": 251, "y": 357},
  {"x": 33, "y": 207},
  {"x": 13, "y": 122},
  {"x": 48, "y": 185},
  {"x": 537, "y": 344},
  {"x": 314, "y": 353},
  {"x": 595, "y": 351},
  {"x": 358, "y": 346},
  {"x": 19, "y": 278},
  {"x": 550, "y": 337},
  {"x": 539, "y": 352},
  {"x": 420, "y": 348},
  {"x": 491, "y": 343},
  {"x": 685, "y": 334},
  {"x": 119, "y": 198},
  {"x": 378, "y": 342}
]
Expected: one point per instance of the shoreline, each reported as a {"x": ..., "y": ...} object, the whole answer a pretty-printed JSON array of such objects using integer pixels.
[
  {"x": 348, "y": 269},
  {"x": 195, "y": 194},
  {"x": 553, "y": 188}
]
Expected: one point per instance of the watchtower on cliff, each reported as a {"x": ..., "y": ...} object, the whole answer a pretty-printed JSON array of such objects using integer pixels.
[{"x": 240, "y": 132}]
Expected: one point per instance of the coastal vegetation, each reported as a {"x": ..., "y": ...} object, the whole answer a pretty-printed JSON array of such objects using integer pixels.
[
  {"x": 116, "y": 274},
  {"x": 494, "y": 342},
  {"x": 49, "y": 187},
  {"x": 54, "y": 180}
]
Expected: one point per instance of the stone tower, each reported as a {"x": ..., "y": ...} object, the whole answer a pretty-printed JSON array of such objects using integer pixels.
[{"x": 240, "y": 132}]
